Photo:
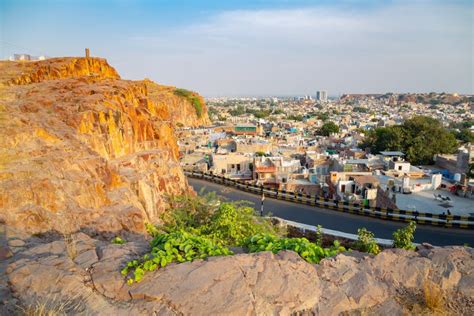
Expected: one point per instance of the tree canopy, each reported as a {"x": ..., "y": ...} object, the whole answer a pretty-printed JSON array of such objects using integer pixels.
[
  {"x": 420, "y": 138},
  {"x": 329, "y": 128}
]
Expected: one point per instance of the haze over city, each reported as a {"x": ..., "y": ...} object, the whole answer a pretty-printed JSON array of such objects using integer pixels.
[{"x": 232, "y": 48}]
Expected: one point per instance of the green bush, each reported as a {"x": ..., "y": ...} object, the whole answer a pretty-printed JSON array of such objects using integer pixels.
[
  {"x": 197, "y": 227},
  {"x": 119, "y": 241},
  {"x": 306, "y": 249},
  {"x": 187, "y": 211},
  {"x": 177, "y": 246},
  {"x": 366, "y": 241},
  {"x": 403, "y": 237},
  {"x": 231, "y": 224},
  {"x": 191, "y": 97},
  {"x": 319, "y": 235},
  {"x": 227, "y": 223}
]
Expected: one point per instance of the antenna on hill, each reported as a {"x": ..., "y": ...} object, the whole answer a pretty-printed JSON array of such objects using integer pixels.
[{"x": 87, "y": 53}]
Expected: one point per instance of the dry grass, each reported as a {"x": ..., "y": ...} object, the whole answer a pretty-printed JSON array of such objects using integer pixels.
[
  {"x": 70, "y": 246},
  {"x": 433, "y": 296},
  {"x": 67, "y": 230},
  {"x": 53, "y": 307},
  {"x": 430, "y": 299}
]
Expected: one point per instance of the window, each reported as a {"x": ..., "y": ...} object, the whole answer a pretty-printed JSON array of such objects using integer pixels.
[
  {"x": 343, "y": 188},
  {"x": 238, "y": 167},
  {"x": 399, "y": 167}
]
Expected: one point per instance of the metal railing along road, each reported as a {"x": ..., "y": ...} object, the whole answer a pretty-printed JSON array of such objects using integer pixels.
[{"x": 443, "y": 220}]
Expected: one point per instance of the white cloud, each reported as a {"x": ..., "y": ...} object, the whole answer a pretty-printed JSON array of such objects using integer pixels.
[{"x": 407, "y": 46}]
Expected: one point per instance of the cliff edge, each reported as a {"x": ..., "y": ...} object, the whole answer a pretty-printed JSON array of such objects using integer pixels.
[{"x": 82, "y": 148}]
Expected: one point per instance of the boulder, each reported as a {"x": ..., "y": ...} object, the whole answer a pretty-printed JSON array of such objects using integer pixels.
[{"x": 244, "y": 284}]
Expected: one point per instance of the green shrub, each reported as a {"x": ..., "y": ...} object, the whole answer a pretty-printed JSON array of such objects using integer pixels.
[
  {"x": 306, "y": 249},
  {"x": 119, "y": 241},
  {"x": 232, "y": 224},
  {"x": 403, "y": 237},
  {"x": 319, "y": 235},
  {"x": 191, "y": 97},
  {"x": 177, "y": 246},
  {"x": 366, "y": 241},
  {"x": 228, "y": 223},
  {"x": 187, "y": 211}
]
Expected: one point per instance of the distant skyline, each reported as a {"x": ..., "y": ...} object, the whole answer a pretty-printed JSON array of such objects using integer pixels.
[{"x": 258, "y": 48}]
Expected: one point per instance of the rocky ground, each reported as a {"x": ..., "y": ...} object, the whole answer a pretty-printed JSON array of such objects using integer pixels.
[{"x": 85, "y": 272}]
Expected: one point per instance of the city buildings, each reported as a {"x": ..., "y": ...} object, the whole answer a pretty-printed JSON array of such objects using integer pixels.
[
  {"x": 321, "y": 96},
  {"x": 276, "y": 143}
]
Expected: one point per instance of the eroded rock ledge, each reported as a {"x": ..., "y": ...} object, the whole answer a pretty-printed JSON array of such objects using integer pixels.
[
  {"x": 246, "y": 284},
  {"x": 79, "y": 147}
]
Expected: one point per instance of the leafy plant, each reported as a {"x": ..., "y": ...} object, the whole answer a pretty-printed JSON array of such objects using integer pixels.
[
  {"x": 306, "y": 249},
  {"x": 228, "y": 223},
  {"x": 190, "y": 211},
  {"x": 119, "y": 241},
  {"x": 233, "y": 223},
  {"x": 176, "y": 246},
  {"x": 319, "y": 235},
  {"x": 366, "y": 241},
  {"x": 403, "y": 237}
]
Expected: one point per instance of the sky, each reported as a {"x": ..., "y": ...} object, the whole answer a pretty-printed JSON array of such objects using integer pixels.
[{"x": 258, "y": 48}]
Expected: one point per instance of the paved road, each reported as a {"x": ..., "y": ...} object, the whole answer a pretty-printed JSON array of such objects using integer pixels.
[{"x": 344, "y": 222}]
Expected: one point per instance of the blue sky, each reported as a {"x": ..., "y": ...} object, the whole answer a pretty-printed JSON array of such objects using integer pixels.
[{"x": 258, "y": 47}]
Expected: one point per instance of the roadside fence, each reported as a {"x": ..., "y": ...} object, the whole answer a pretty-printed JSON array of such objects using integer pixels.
[{"x": 424, "y": 218}]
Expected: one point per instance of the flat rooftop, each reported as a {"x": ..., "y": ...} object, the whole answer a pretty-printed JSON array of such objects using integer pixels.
[
  {"x": 392, "y": 153},
  {"x": 424, "y": 201}
]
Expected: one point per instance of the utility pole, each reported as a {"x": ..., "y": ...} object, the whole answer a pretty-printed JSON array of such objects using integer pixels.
[{"x": 261, "y": 206}]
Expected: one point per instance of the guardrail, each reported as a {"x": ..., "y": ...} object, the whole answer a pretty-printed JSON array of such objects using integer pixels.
[
  {"x": 304, "y": 228},
  {"x": 424, "y": 218}
]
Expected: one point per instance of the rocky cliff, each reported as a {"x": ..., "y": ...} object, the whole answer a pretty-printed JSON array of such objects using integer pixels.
[
  {"x": 429, "y": 281},
  {"x": 79, "y": 147}
]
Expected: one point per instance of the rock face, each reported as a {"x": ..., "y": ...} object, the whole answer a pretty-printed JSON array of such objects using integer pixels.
[
  {"x": 81, "y": 148},
  {"x": 246, "y": 284}
]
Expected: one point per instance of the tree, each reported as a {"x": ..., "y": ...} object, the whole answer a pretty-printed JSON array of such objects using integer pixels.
[
  {"x": 328, "y": 129},
  {"x": 295, "y": 117},
  {"x": 465, "y": 136},
  {"x": 238, "y": 111},
  {"x": 323, "y": 116},
  {"x": 425, "y": 137},
  {"x": 420, "y": 138},
  {"x": 384, "y": 138},
  {"x": 470, "y": 173}
]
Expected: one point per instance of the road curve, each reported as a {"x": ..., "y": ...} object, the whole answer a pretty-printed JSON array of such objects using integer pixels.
[{"x": 348, "y": 223}]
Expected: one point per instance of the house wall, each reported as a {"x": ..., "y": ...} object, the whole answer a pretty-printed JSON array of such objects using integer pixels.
[{"x": 231, "y": 164}]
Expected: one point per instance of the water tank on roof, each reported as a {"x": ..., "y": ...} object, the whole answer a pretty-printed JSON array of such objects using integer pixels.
[{"x": 457, "y": 177}]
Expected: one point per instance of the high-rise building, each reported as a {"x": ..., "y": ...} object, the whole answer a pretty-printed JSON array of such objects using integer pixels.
[{"x": 321, "y": 95}]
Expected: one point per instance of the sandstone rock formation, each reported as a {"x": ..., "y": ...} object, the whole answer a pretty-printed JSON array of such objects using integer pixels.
[
  {"x": 246, "y": 284},
  {"x": 81, "y": 148}
]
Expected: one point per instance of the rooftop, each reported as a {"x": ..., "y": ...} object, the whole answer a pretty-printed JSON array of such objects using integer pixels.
[{"x": 392, "y": 153}]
